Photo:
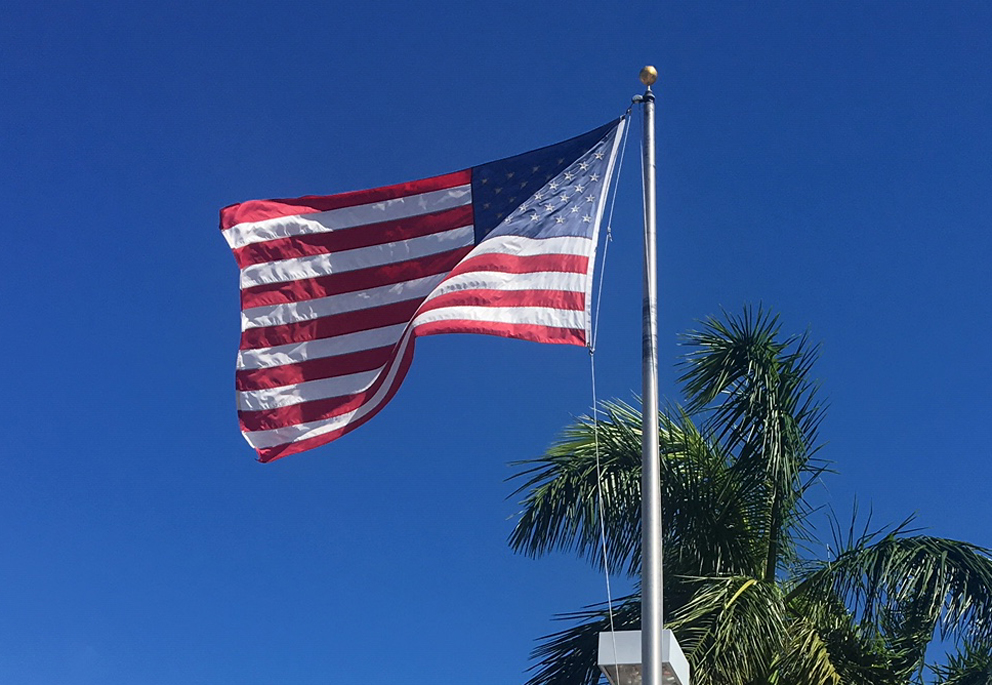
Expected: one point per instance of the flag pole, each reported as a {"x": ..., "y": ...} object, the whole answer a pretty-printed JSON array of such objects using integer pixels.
[{"x": 652, "y": 602}]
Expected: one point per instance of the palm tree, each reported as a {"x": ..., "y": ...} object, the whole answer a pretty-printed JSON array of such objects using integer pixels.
[{"x": 747, "y": 599}]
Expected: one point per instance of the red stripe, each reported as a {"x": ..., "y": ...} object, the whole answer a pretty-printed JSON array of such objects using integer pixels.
[
  {"x": 312, "y": 369},
  {"x": 554, "y": 299},
  {"x": 353, "y": 238},
  {"x": 330, "y": 326},
  {"x": 319, "y": 410},
  {"x": 541, "y": 334},
  {"x": 272, "y": 453},
  {"x": 304, "y": 412},
  {"x": 316, "y": 410},
  {"x": 513, "y": 264},
  {"x": 351, "y": 281},
  {"x": 260, "y": 210}
]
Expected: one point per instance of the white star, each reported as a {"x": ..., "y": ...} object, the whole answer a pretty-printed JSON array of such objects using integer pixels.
[
  {"x": 554, "y": 185},
  {"x": 594, "y": 178},
  {"x": 575, "y": 209},
  {"x": 579, "y": 188},
  {"x": 564, "y": 197},
  {"x": 559, "y": 219},
  {"x": 586, "y": 218},
  {"x": 590, "y": 198},
  {"x": 599, "y": 155},
  {"x": 534, "y": 217},
  {"x": 584, "y": 165},
  {"x": 538, "y": 196},
  {"x": 550, "y": 207},
  {"x": 569, "y": 175}
]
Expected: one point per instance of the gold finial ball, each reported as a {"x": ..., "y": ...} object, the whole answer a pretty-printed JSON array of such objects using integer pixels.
[{"x": 649, "y": 75}]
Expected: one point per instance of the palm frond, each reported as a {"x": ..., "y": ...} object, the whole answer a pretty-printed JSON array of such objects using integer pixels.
[
  {"x": 569, "y": 657},
  {"x": 806, "y": 659},
  {"x": 707, "y": 514},
  {"x": 917, "y": 582},
  {"x": 972, "y": 665},
  {"x": 560, "y": 508},
  {"x": 857, "y": 654},
  {"x": 760, "y": 401},
  {"x": 733, "y": 629}
]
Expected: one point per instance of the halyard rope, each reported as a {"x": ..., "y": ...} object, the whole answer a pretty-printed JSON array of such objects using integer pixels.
[{"x": 595, "y": 399}]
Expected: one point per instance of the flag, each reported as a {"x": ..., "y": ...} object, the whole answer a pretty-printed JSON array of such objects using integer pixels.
[{"x": 335, "y": 289}]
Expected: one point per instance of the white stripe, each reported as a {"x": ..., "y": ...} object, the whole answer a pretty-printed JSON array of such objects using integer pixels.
[
  {"x": 355, "y": 383},
  {"x": 308, "y": 310},
  {"x": 307, "y": 391},
  {"x": 305, "y": 431},
  {"x": 518, "y": 245},
  {"x": 360, "y": 258},
  {"x": 496, "y": 280},
  {"x": 294, "y": 353},
  {"x": 537, "y": 316},
  {"x": 250, "y": 232}
]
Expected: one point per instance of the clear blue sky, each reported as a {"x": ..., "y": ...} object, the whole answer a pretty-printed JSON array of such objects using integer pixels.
[{"x": 832, "y": 160}]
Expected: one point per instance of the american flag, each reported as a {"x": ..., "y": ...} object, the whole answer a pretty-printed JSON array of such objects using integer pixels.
[{"x": 335, "y": 289}]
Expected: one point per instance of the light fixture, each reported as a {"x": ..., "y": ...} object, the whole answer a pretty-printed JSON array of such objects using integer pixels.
[{"x": 620, "y": 658}]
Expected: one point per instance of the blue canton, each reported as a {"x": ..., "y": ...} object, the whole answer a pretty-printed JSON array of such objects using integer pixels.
[{"x": 553, "y": 191}]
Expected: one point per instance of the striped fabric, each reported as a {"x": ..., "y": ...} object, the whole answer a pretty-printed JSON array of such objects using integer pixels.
[{"x": 335, "y": 289}]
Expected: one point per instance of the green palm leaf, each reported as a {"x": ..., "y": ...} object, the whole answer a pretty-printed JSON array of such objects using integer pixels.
[
  {"x": 568, "y": 657},
  {"x": 939, "y": 582},
  {"x": 972, "y": 665},
  {"x": 706, "y": 510},
  {"x": 736, "y": 466}
]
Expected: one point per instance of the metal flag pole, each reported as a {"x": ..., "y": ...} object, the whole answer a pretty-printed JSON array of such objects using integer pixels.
[
  {"x": 651, "y": 656},
  {"x": 652, "y": 601}
]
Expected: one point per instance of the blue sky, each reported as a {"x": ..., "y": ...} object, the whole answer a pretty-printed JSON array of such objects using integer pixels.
[{"x": 830, "y": 160}]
